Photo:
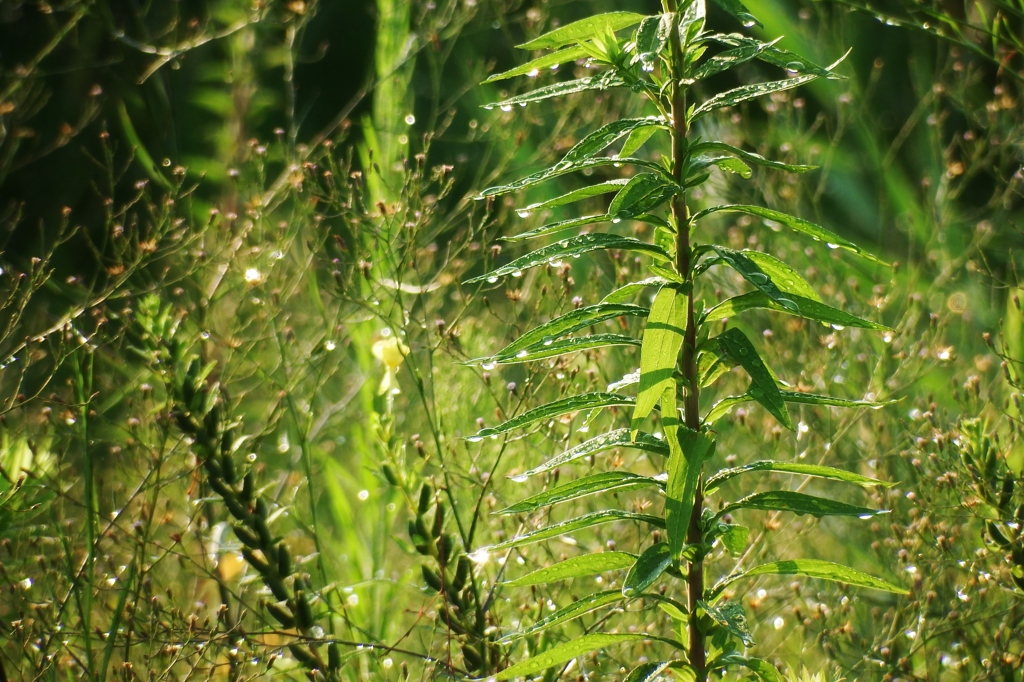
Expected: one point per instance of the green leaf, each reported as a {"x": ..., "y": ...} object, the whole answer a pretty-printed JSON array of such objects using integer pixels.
[
  {"x": 731, "y": 617},
  {"x": 651, "y": 672},
  {"x": 733, "y": 165},
  {"x": 572, "y": 525},
  {"x": 577, "y": 195},
  {"x": 692, "y": 22},
  {"x": 799, "y": 503},
  {"x": 735, "y": 345},
  {"x": 651, "y": 38},
  {"x": 815, "y": 470},
  {"x": 644, "y": 192},
  {"x": 763, "y": 669},
  {"x": 569, "y": 54},
  {"x": 689, "y": 451},
  {"x": 588, "y": 485},
  {"x": 648, "y": 567},
  {"x": 743, "y": 93},
  {"x": 569, "y": 322},
  {"x": 576, "y": 567},
  {"x": 814, "y": 568},
  {"x": 565, "y": 652},
  {"x": 751, "y": 272},
  {"x": 659, "y": 352},
  {"x": 602, "y": 82},
  {"x": 559, "y": 226},
  {"x": 792, "y": 62},
  {"x": 577, "y": 608},
  {"x": 735, "y": 538},
  {"x": 563, "y": 168},
  {"x": 586, "y": 401},
  {"x": 629, "y": 291},
  {"x": 815, "y": 232},
  {"x": 739, "y": 12},
  {"x": 619, "y": 438},
  {"x": 805, "y": 307},
  {"x": 785, "y": 278},
  {"x": 723, "y": 406},
  {"x": 567, "y": 248},
  {"x": 728, "y": 59},
  {"x": 749, "y": 157},
  {"x": 598, "y": 140},
  {"x": 636, "y": 140},
  {"x": 584, "y": 29},
  {"x": 565, "y": 346}
]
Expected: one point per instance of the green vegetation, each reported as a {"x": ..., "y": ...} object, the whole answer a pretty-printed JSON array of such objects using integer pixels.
[{"x": 298, "y": 381}]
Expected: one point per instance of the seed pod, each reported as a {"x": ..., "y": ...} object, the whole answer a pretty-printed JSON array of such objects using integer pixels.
[
  {"x": 432, "y": 579},
  {"x": 333, "y": 657},
  {"x": 248, "y": 487},
  {"x": 461, "y": 573},
  {"x": 389, "y": 475},
  {"x": 284, "y": 561},
  {"x": 438, "y": 519},
  {"x": 996, "y": 534},
  {"x": 255, "y": 561},
  {"x": 426, "y": 495},
  {"x": 247, "y": 537},
  {"x": 281, "y": 615},
  {"x": 303, "y": 614},
  {"x": 227, "y": 465},
  {"x": 421, "y": 528},
  {"x": 471, "y": 657},
  {"x": 1006, "y": 494},
  {"x": 445, "y": 547}
]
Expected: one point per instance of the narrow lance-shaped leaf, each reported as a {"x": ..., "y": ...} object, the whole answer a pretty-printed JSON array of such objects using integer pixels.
[
  {"x": 815, "y": 232},
  {"x": 643, "y": 193},
  {"x": 602, "y": 82},
  {"x": 567, "y": 248},
  {"x": 732, "y": 618},
  {"x": 576, "y": 195},
  {"x": 784, "y": 59},
  {"x": 598, "y": 140},
  {"x": 605, "y": 481},
  {"x": 785, "y": 278},
  {"x": 652, "y": 672},
  {"x": 648, "y": 568},
  {"x": 563, "y": 168},
  {"x": 799, "y": 503},
  {"x": 739, "y": 12},
  {"x": 813, "y": 568},
  {"x": 576, "y": 567},
  {"x": 799, "y": 468},
  {"x": 688, "y": 451},
  {"x": 629, "y": 291},
  {"x": 636, "y": 140},
  {"x": 763, "y": 669},
  {"x": 565, "y": 346},
  {"x": 763, "y": 388},
  {"x": 565, "y": 652},
  {"x": 559, "y": 226},
  {"x": 728, "y": 59},
  {"x": 723, "y": 407},
  {"x": 569, "y": 54},
  {"x": 749, "y": 157},
  {"x": 662, "y": 340},
  {"x": 579, "y": 607},
  {"x": 570, "y": 322},
  {"x": 619, "y": 438},
  {"x": 584, "y": 29},
  {"x": 651, "y": 37},
  {"x": 743, "y": 93},
  {"x": 575, "y": 524},
  {"x": 805, "y": 307},
  {"x": 750, "y": 271},
  {"x": 586, "y": 401}
]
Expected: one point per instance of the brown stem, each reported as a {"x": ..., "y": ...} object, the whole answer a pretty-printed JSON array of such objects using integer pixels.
[{"x": 688, "y": 361}]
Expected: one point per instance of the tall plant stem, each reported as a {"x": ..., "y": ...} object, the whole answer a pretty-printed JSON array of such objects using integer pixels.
[{"x": 687, "y": 363}]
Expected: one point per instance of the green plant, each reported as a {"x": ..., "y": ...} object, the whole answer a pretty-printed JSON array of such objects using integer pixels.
[{"x": 687, "y": 346}]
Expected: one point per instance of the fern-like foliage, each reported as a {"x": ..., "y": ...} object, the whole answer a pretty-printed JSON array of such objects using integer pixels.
[{"x": 684, "y": 347}]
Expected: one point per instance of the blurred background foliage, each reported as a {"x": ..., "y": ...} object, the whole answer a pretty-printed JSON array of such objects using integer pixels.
[{"x": 271, "y": 204}]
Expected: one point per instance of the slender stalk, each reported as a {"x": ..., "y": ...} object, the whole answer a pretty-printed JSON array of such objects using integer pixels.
[{"x": 688, "y": 361}]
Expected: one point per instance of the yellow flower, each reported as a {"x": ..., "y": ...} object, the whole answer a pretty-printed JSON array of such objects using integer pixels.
[{"x": 391, "y": 351}]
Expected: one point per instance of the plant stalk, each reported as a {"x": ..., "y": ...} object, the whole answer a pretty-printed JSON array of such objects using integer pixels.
[{"x": 688, "y": 361}]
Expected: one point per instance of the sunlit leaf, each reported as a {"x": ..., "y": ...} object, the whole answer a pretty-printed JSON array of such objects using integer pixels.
[
  {"x": 732, "y": 618},
  {"x": 567, "y": 248},
  {"x": 602, "y": 82},
  {"x": 643, "y": 193},
  {"x": 749, "y": 157},
  {"x": 619, "y": 438},
  {"x": 579, "y": 523},
  {"x": 743, "y": 93},
  {"x": 763, "y": 669},
  {"x": 763, "y": 388},
  {"x": 806, "y": 308},
  {"x": 569, "y": 54},
  {"x": 651, "y": 672},
  {"x": 586, "y": 401},
  {"x": 689, "y": 451},
  {"x": 565, "y": 346},
  {"x": 790, "y": 61},
  {"x": 598, "y": 140},
  {"x": 659, "y": 352},
  {"x": 739, "y": 12},
  {"x": 579, "y": 607},
  {"x": 815, "y": 470},
  {"x": 628, "y": 292},
  {"x": 799, "y": 503},
  {"x": 559, "y": 226},
  {"x": 813, "y": 231},
  {"x": 576, "y": 567},
  {"x": 735, "y": 538},
  {"x": 651, "y": 38},
  {"x": 648, "y": 568},
  {"x": 814, "y": 568},
  {"x": 729, "y": 58},
  {"x": 588, "y": 485},
  {"x": 751, "y": 272},
  {"x": 584, "y": 29},
  {"x": 636, "y": 140},
  {"x": 721, "y": 408},
  {"x": 571, "y": 321},
  {"x": 578, "y": 194},
  {"x": 562, "y": 168}
]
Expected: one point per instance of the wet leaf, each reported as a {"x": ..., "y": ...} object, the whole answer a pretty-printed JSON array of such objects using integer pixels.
[
  {"x": 572, "y": 525},
  {"x": 689, "y": 451},
  {"x": 602, "y": 82},
  {"x": 728, "y": 59},
  {"x": 567, "y": 248},
  {"x": 651, "y": 38},
  {"x": 619, "y": 438},
  {"x": 565, "y": 652},
  {"x": 739, "y": 12},
  {"x": 737, "y": 347},
  {"x": 577, "y": 608},
  {"x": 743, "y": 93},
  {"x": 629, "y": 291},
  {"x": 815, "y": 470},
  {"x": 566, "y": 56},
  {"x": 731, "y": 617},
  {"x": 579, "y": 194},
  {"x": 565, "y": 346},
  {"x": 659, "y": 352},
  {"x": 598, "y": 140},
  {"x": 576, "y": 567},
  {"x": 648, "y": 568},
  {"x": 644, "y": 192},
  {"x": 814, "y": 568},
  {"x": 722, "y": 407},
  {"x": 586, "y": 401},
  {"x": 806, "y": 308},
  {"x": 749, "y": 157},
  {"x": 588, "y": 485},
  {"x": 799, "y": 503},
  {"x": 567, "y": 167},
  {"x": 569, "y": 322},
  {"x": 584, "y": 29}
]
